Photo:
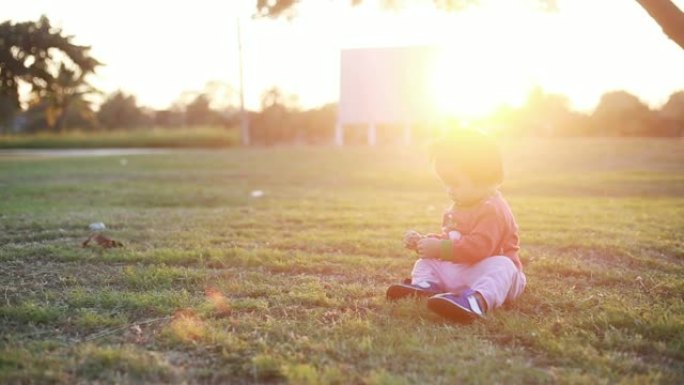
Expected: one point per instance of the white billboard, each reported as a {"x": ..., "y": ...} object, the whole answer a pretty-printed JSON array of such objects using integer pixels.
[{"x": 387, "y": 85}]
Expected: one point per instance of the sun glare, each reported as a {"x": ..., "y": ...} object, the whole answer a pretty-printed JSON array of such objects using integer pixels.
[
  {"x": 493, "y": 54},
  {"x": 477, "y": 69},
  {"x": 466, "y": 86}
]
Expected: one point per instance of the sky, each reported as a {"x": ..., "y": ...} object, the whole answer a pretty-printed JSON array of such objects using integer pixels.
[{"x": 495, "y": 53}]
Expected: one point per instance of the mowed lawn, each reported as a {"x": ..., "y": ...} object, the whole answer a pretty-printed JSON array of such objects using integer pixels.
[{"x": 215, "y": 285}]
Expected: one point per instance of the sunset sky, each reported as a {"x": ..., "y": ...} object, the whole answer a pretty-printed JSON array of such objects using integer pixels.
[{"x": 495, "y": 53}]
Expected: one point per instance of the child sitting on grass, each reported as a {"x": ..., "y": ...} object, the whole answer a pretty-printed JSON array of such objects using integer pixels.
[{"x": 472, "y": 267}]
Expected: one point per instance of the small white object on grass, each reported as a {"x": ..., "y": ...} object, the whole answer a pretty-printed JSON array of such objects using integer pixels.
[
  {"x": 123, "y": 161},
  {"x": 97, "y": 226},
  {"x": 257, "y": 194}
]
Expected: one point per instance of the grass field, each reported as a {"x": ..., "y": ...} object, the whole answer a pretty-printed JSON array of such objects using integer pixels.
[
  {"x": 195, "y": 137},
  {"x": 216, "y": 286}
]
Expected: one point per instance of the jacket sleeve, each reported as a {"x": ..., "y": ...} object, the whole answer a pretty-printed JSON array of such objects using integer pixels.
[
  {"x": 443, "y": 234},
  {"x": 480, "y": 243}
]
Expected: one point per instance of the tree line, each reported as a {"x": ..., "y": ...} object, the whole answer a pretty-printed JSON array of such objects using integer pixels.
[
  {"x": 44, "y": 63},
  {"x": 618, "y": 113},
  {"x": 55, "y": 72}
]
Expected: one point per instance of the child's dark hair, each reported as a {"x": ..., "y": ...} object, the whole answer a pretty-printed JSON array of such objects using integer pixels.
[{"x": 472, "y": 152}]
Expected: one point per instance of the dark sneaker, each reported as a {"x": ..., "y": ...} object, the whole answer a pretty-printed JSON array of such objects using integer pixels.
[
  {"x": 406, "y": 289},
  {"x": 464, "y": 308}
]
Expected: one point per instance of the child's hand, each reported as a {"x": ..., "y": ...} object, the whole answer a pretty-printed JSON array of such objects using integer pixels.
[
  {"x": 429, "y": 247},
  {"x": 411, "y": 239}
]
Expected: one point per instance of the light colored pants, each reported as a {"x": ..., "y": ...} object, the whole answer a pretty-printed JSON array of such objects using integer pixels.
[{"x": 496, "y": 278}]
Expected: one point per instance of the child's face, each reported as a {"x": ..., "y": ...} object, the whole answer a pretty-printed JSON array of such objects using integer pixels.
[{"x": 460, "y": 187}]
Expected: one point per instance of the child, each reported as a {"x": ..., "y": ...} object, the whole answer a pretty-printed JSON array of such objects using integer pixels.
[{"x": 472, "y": 267}]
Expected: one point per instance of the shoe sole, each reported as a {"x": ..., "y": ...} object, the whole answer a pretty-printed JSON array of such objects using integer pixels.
[
  {"x": 450, "y": 310},
  {"x": 396, "y": 292}
]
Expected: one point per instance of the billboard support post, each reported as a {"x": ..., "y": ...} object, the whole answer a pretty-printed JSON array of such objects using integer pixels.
[
  {"x": 407, "y": 133},
  {"x": 372, "y": 134},
  {"x": 339, "y": 134}
]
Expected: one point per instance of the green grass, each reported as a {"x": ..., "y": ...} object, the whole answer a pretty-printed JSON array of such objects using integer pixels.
[
  {"x": 216, "y": 286},
  {"x": 195, "y": 137}
]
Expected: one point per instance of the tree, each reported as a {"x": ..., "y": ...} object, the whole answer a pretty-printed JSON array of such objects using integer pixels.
[
  {"x": 664, "y": 12},
  {"x": 221, "y": 95},
  {"x": 316, "y": 125},
  {"x": 7, "y": 111},
  {"x": 275, "y": 8},
  {"x": 43, "y": 57},
  {"x": 65, "y": 96},
  {"x": 120, "y": 110},
  {"x": 546, "y": 114},
  {"x": 198, "y": 112},
  {"x": 277, "y": 120},
  {"x": 80, "y": 116},
  {"x": 623, "y": 114},
  {"x": 172, "y": 117},
  {"x": 672, "y": 114},
  {"x": 273, "y": 97},
  {"x": 674, "y": 108},
  {"x": 273, "y": 124}
]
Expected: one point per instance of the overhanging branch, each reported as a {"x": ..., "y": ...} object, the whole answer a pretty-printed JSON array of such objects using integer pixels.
[{"x": 668, "y": 16}]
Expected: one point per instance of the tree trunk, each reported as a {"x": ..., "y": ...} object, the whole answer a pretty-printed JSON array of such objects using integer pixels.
[
  {"x": 668, "y": 16},
  {"x": 61, "y": 118}
]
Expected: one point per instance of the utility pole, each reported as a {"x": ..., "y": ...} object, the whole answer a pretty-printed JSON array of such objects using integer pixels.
[{"x": 244, "y": 120}]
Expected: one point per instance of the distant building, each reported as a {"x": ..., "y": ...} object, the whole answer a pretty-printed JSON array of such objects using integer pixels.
[{"x": 385, "y": 86}]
